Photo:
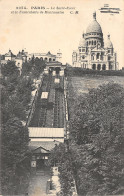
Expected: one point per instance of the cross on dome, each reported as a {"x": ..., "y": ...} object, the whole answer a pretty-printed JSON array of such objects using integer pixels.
[
  {"x": 108, "y": 36},
  {"x": 94, "y": 15}
]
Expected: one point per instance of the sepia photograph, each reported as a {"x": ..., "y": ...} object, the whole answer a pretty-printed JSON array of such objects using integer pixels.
[{"x": 62, "y": 98}]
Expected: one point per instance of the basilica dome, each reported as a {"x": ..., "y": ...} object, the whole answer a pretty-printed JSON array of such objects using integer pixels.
[
  {"x": 82, "y": 43},
  {"x": 108, "y": 44},
  {"x": 94, "y": 26}
]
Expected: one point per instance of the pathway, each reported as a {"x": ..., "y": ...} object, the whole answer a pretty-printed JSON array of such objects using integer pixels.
[{"x": 37, "y": 184}]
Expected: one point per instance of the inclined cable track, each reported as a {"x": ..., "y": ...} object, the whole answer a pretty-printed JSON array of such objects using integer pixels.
[
  {"x": 50, "y": 109},
  {"x": 56, "y": 109},
  {"x": 42, "y": 118}
]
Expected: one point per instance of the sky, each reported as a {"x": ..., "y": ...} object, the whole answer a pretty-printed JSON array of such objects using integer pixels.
[{"x": 50, "y": 32}]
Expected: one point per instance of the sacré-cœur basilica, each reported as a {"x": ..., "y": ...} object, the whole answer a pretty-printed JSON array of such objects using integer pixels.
[{"x": 92, "y": 53}]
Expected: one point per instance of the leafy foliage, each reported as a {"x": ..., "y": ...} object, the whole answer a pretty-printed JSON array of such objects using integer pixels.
[
  {"x": 14, "y": 101},
  {"x": 33, "y": 67},
  {"x": 38, "y": 68},
  {"x": 16, "y": 96},
  {"x": 9, "y": 69},
  {"x": 24, "y": 88},
  {"x": 78, "y": 71},
  {"x": 95, "y": 157},
  {"x": 61, "y": 157},
  {"x": 97, "y": 134},
  {"x": 15, "y": 141}
]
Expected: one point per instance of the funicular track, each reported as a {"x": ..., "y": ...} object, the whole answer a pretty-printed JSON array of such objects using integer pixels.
[
  {"x": 56, "y": 109},
  {"x": 43, "y": 112},
  {"x": 39, "y": 117},
  {"x": 50, "y": 107},
  {"x": 59, "y": 101},
  {"x": 49, "y": 112},
  {"x": 61, "y": 112}
]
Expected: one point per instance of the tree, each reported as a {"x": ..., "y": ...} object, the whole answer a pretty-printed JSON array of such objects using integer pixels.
[
  {"x": 16, "y": 95},
  {"x": 10, "y": 76},
  {"x": 23, "y": 92},
  {"x": 27, "y": 68},
  {"x": 9, "y": 69},
  {"x": 33, "y": 67},
  {"x": 97, "y": 134},
  {"x": 15, "y": 141},
  {"x": 13, "y": 108},
  {"x": 38, "y": 67},
  {"x": 60, "y": 156},
  {"x": 14, "y": 147}
]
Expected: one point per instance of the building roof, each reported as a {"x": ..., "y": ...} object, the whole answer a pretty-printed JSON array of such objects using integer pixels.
[
  {"x": 44, "y": 95},
  {"x": 53, "y": 63},
  {"x": 49, "y": 54},
  {"x": 94, "y": 26},
  {"x": 40, "y": 150},
  {"x": 48, "y": 145},
  {"x": 43, "y": 132},
  {"x": 9, "y": 54},
  {"x": 43, "y": 54},
  {"x": 21, "y": 54},
  {"x": 57, "y": 80},
  {"x": 98, "y": 49}
]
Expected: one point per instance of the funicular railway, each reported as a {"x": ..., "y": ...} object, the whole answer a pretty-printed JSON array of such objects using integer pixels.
[
  {"x": 49, "y": 111},
  {"x": 47, "y": 124}
]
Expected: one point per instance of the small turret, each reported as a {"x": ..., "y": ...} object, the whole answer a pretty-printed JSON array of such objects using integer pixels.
[
  {"x": 59, "y": 56},
  {"x": 108, "y": 43}
]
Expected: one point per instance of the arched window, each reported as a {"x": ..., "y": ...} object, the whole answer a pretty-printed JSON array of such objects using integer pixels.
[
  {"x": 110, "y": 66},
  {"x": 98, "y": 66},
  {"x": 92, "y": 42},
  {"x": 104, "y": 67},
  {"x": 109, "y": 58},
  {"x": 97, "y": 56},
  {"x": 92, "y": 57},
  {"x": 94, "y": 66}
]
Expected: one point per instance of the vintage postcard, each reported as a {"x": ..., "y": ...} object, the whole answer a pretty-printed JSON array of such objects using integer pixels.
[{"x": 62, "y": 97}]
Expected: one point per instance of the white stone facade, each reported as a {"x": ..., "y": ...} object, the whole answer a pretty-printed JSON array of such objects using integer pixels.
[
  {"x": 92, "y": 53},
  {"x": 48, "y": 57}
]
